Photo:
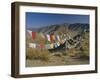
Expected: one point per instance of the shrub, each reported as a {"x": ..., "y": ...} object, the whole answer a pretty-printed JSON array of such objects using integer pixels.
[
  {"x": 44, "y": 55},
  {"x": 29, "y": 53},
  {"x": 37, "y": 54}
]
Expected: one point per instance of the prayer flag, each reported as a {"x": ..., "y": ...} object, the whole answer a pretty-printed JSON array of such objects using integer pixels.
[
  {"x": 48, "y": 37},
  {"x": 32, "y": 45},
  {"x": 33, "y": 35},
  {"x": 42, "y": 35},
  {"x": 52, "y": 37},
  {"x": 30, "y": 32},
  {"x": 63, "y": 41},
  {"x": 58, "y": 38},
  {"x": 47, "y": 46},
  {"x": 58, "y": 43},
  {"x": 52, "y": 45},
  {"x": 55, "y": 44},
  {"x": 40, "y": 46}
]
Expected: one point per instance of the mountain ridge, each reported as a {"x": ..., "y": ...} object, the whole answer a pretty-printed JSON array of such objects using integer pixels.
[{"x": 68, "y": 29}]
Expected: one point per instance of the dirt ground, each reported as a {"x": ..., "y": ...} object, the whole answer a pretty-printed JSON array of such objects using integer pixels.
[{"x": 56, "y": 60}]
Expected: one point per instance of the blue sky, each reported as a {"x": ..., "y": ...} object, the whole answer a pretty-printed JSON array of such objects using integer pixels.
[{"x": 36, "y": 20}]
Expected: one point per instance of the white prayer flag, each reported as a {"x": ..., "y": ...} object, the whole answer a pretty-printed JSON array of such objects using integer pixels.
[
  {"x": 30, "y": 32},
  {"x": 32, "y": 45},
  {"x": 48, "y": 37},
  {"x": 58, "y": 38}
]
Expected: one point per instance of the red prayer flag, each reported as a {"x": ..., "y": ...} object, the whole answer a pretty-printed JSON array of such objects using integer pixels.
[{"x": 33, "y": 35}]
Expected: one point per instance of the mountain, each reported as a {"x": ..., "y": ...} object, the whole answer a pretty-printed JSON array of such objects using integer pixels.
[
  {"x": 73, "y": 27},
  {"x": 53, "y": 28},
  {"x": 79, "y": 27},
  {"x": 69, "y": 29},
  {"x": 33, "y": 29}
]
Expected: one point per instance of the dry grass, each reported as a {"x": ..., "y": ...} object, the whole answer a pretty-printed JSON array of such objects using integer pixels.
[
  {"x": 83, "y": 50},
  {"x": 72, "y": 52},
  {"x": 85, "y": 45},
  {"x": 37, "y": 54}
]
